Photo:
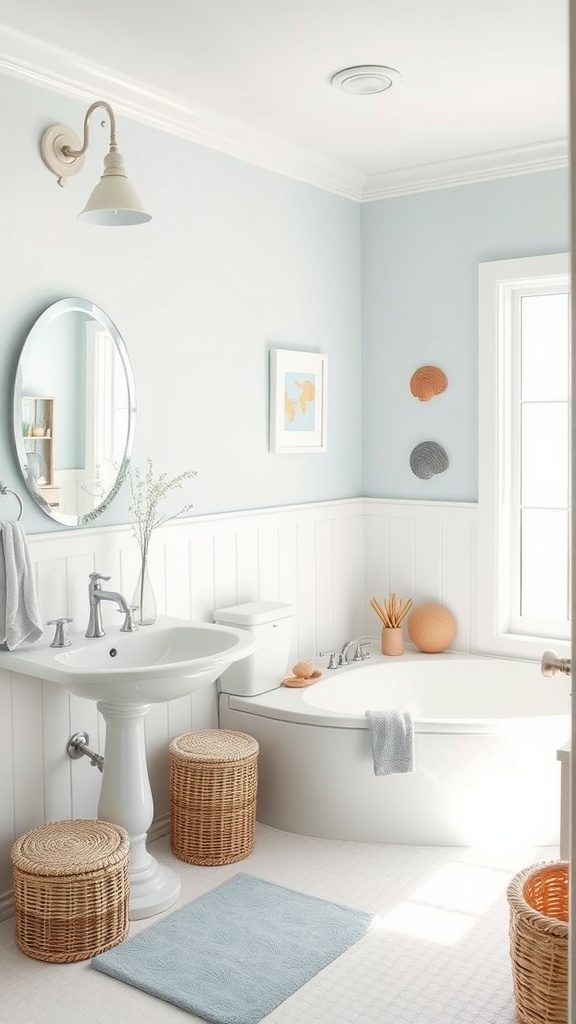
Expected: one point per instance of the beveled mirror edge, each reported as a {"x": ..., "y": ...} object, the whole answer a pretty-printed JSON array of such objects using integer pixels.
[{"x": 50, "y": 313}]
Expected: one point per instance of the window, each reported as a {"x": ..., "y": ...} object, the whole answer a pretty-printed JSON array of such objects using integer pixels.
[{"x": 524, "y": 450}]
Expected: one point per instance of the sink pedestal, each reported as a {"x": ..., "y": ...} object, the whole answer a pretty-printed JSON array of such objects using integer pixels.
[{"x": 126, "y": 800}]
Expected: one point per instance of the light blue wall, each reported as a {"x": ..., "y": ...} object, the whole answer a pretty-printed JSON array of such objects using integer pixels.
[
  {"x": 420, "y": 256},
  {"x": 236, "y": 261}
]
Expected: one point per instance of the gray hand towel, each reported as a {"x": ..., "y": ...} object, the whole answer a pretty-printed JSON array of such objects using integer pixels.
[
  {"x": 392, "y": 735},
  {"x": 19, "y": 612}
]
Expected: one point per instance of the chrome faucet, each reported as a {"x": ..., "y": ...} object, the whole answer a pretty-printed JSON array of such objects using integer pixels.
[
  {"x": 337, "y": 660},
  {"x": 358, "y": 646},
  {"x": 95, "y": 597}
]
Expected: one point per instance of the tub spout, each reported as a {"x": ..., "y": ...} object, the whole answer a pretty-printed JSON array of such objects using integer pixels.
[{"x": 359, "y": 647}]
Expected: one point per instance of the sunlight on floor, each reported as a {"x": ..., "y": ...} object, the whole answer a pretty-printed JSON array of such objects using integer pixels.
[
  {"x": 428, "y": 923},
  {"x": 445, "y": 906}
]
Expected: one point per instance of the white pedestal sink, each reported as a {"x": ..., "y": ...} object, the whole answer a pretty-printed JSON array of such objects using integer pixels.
[{"x": 125, "y": 673}]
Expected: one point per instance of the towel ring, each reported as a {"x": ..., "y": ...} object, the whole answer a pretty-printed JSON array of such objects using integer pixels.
[{"x": 6, "y": 490}]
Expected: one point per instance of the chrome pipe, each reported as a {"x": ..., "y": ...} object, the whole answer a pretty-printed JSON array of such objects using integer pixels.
[{"x": 77, "y": 746}]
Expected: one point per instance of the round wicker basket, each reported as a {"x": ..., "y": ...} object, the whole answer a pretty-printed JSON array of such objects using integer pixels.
[
  {"x": 71, "y": 889},
  {"x": 213, "y": 786},
  {"x": 538, "y": 901}
]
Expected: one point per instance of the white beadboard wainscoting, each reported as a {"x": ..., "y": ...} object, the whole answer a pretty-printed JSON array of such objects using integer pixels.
[
  {"x": 326, "y": 559},
  {"x": 428, "y": 551}
]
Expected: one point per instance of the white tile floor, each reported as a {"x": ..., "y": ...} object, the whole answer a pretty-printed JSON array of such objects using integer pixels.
[{"x": 438, "y": 953}]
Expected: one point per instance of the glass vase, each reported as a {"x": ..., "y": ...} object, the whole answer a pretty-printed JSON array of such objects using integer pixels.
[{"x": 143, "y": 598}]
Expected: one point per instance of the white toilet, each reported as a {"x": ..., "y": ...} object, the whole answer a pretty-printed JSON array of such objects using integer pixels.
[{"x": 271, "y": 624}]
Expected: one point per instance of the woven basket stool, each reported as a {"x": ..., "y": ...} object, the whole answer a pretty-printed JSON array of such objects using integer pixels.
[
  {"x": 213, "y": 785},
  {"x": 538, "y": 901},
  {"x": 71, "y": 889}
]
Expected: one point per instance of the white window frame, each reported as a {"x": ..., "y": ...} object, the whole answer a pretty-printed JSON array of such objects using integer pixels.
[{"x": 499, "y": 284}]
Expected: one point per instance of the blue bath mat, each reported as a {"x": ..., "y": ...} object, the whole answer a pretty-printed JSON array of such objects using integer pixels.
[{"x": 234, "y": 954}]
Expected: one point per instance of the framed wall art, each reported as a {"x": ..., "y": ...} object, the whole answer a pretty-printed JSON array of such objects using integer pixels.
[{"x": 298, "y": 401}]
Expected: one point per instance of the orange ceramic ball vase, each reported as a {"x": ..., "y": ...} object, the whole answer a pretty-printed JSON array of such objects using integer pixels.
[{"x": 432, "y": 628}]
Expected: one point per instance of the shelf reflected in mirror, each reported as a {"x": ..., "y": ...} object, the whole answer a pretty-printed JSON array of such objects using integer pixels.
[{"x": 74, "y": 411}]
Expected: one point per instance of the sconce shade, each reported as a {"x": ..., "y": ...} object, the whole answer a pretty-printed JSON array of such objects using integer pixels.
[{"x": 114, "y": 202}]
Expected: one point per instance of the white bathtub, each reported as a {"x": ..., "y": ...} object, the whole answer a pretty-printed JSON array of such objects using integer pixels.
[{"x": 487, "y": 732}]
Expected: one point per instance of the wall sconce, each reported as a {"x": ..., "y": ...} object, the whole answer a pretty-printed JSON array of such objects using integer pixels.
[{"x": 113, "y": 202}]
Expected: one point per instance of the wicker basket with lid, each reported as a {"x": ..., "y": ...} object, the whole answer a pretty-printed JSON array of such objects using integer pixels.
[
  {"x": 71, "y": 889},
  {"x": 213, "y": 787}
]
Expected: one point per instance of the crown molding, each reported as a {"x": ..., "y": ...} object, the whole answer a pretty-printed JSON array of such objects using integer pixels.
[
  {"x": 30, "y": 59},
  {"x": 501, "y": 163}
]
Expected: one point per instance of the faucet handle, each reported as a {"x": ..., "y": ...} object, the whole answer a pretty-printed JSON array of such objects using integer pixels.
[
  {"x": 334, "y": 658},
  {"x": 361, "y": 652},
  {"x": 129, "y": 626},
  {"x": 60, "y": 636},
  {"x": 95, "y": 577}
]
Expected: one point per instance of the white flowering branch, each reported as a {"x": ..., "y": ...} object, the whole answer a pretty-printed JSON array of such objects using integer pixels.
[{"x": 147, "y": 495}]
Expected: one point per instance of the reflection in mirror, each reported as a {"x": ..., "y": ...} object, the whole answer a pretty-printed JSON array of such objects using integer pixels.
[{"x": 74, "y": 411}]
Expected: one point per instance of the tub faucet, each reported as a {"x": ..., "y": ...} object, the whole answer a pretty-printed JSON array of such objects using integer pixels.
[
  {"x": 95, "y": 596},
  {"x": 359, "y": 648},
  {"x": 337, "y": 660}
]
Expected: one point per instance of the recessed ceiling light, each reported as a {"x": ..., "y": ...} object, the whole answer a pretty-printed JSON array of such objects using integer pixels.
[{"x": 365, "y": 79}]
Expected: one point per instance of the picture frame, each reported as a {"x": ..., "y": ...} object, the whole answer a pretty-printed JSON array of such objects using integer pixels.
[{"x": 298, "y": 402}]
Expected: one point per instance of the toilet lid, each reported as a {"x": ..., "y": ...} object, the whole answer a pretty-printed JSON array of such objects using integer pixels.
[{"x": 253, "y": 613}]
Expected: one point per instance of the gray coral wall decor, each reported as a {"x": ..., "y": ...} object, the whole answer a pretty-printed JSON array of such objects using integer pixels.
[{"x": 427, "y": 459}]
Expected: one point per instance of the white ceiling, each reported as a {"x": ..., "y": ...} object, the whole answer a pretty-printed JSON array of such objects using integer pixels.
[{"x": 484, "y": 82}]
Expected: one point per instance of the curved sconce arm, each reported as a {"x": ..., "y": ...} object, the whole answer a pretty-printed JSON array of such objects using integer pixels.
[
  {"x": 69, "y": 152},
  {"x": 114, "y": 201}
]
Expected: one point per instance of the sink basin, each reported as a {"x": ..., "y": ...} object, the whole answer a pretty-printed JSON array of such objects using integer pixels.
[
  {"x": 156, "y": 663},
  {"x": 125, "y": 673}
]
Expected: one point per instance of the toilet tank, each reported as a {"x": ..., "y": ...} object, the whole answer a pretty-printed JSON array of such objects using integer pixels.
[{"x": 271, "y": 625}]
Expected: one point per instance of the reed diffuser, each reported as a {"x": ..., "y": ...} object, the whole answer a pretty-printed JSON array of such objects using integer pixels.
[{"x": 391, "y": 614}]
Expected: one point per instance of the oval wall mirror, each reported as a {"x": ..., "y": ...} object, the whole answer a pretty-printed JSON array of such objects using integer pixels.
[{"x": 74, "y": 411}]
